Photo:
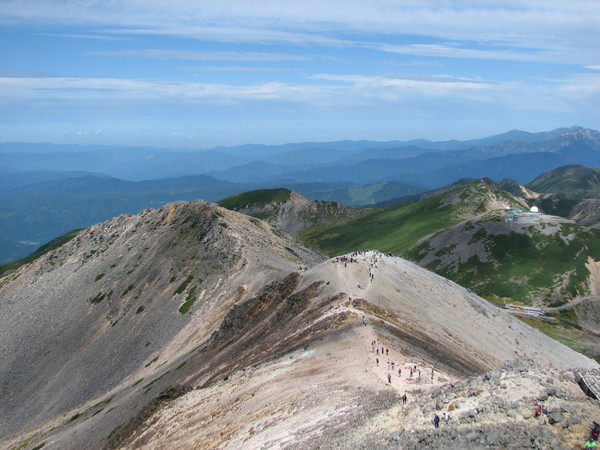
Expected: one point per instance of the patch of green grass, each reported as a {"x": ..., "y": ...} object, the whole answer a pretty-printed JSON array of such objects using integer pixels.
[
  {"x": 189, "y": 301},
  {"x": 38, "y": 447},
  {"x": 568, "y": 336},
  {"x": 137, "y": 382},
  {"x": 74, "y": 418},
  {"x": 567, "y": 319},
  {"x": 156, "y": 380},
  {"x": 99, "y": 277},
  {"x": 184, "y": 285},
  {"x": 257, "y": 198},
  {"x": 101, "y": 296},
  {"x": 103, "y": 402},
  {"x": 140, "y": 309},
  {"x": 291, "y": 251},
  {"x": 126, "y": 291},
  {"x": 152, "y": 361}
]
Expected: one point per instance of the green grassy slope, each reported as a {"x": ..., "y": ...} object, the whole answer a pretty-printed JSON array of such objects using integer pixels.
[
  {"x": 397, "y": 229},
  {"x": 523, "y": 263},
  {"x": 569, "y": 182},
  {"x": 392, "y": 230},
  {"x": 256, "y": 199},
  {"x": 460, "y": 235}
]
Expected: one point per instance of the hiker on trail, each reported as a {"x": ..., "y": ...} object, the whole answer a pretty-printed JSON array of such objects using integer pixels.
[
  {"x": 446, "y": 417},
  {"x": 377, "y": 361},
  {"x": 399, "y": 372},
  {"x": 387, "y": 351},
  {"x": 436, "y": 420},
  {"x": 389, "y": 378},
  {"x": 404, "y": 398},
  {"x": 537, "y": 410},
  {"x": 595, "y": 431}
]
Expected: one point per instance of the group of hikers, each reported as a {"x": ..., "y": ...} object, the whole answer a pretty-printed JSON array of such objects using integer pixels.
[
  {"x": 436, "y": 419},
  {"x": 412, "y": 369},
  {"x": 539, "y": 409}
]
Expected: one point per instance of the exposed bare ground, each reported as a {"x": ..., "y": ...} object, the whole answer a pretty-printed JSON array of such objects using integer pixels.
[{"x": 334, "y": 393}]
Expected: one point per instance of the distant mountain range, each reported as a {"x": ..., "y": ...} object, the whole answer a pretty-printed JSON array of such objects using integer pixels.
[{"x": 47, "y": 190}]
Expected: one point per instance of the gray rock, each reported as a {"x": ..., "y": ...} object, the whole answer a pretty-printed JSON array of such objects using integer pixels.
[
  {"x": 542, "y": 397},
  {"x": 554, "y": 417}
]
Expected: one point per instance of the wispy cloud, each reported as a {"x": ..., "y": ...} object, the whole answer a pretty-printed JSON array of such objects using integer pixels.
[
  {"x": 203, "y": 56},
  {"x": 92, "y": 36},
  {"x": 182, "y": 60},
  {"x": 551, "y": 29},
  {"x": 238, "y": 69},
  {"x": 334, "y": 91}
]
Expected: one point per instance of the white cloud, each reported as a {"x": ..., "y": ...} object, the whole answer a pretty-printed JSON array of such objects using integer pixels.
[
  {"x": 237, "y": 69},
  {"x": 332, "y": 92},
  {"x": 204, "y": 56},
  {"x": 502, "y": 29}
]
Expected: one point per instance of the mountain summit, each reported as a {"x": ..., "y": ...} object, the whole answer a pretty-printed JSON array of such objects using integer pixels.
[{"x": 192, "y": 326}]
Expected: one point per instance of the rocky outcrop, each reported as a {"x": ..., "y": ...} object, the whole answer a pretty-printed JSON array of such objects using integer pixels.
[{"x": 298, "y": 213}]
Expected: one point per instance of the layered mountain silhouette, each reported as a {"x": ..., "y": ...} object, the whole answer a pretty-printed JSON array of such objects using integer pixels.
[
  {"x": 193, "y": 326},
  {"x": 50, "y": 189}
]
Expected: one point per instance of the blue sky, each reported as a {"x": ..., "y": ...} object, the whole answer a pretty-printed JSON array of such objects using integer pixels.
[{"x": 199, "y": 73}]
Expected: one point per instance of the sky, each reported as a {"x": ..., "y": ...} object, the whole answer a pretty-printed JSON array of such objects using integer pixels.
[{"x": 203, "y": 73}]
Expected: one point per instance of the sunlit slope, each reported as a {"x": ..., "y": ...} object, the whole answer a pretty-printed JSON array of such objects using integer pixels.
[
  {"x": 398, "y": 229},
  {"x": 574, "y": 182},
  {"x": 462, "y": 235}
]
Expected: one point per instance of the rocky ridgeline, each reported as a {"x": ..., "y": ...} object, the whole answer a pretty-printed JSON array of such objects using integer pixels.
[
  {"x": 126, "y": 298},
  {"x": 299, "y": 213},
  {"x": 222, "y": 304}
]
